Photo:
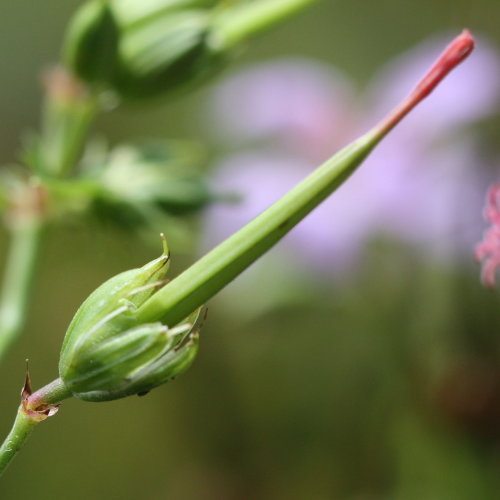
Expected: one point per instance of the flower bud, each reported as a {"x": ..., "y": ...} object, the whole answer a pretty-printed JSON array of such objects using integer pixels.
[
  {"x": 165, "y": 54},
  {"x": 141, "y": 50},
  {"x": 149, "y": 48},
  {"x": 108, "y": 354}
]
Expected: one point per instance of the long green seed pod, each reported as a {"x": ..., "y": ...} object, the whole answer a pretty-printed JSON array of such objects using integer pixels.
[{"x": 216, "y": 269}]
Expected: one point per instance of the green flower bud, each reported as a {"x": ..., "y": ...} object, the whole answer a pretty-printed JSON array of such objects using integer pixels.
[
  {"x": 150, "y": 48},
  {"x": 108, "y": 353},
  {"x": 165, "y": 54},
  {"x": 141, "y": 50}
]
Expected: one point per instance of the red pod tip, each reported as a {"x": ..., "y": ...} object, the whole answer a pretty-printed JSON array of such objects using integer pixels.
[{"x": 453, "y": 55}]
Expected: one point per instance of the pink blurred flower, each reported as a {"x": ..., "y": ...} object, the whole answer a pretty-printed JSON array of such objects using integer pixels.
[
  {"x": 422, "y": 185},
  {"x": 488, "y": 250}
]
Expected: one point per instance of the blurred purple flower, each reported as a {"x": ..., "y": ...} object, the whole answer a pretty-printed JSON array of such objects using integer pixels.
[
  {"x": 422, "y": 185},
  {"x": 488, "y": 250}
]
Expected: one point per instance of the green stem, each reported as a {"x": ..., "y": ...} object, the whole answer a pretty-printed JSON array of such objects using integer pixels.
[
  {"x": 18, "y": 280},
  {"x": 21, "y": 430},
  {"x": 51, "y": 394},
  {"x": 68, "y": 112},
  {"x": 67, "y": 115},
  {"x": 31, "y": 412},
  {"x": 237, "y": 24}
]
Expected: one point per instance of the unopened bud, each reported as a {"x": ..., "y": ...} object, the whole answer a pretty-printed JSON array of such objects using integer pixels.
[
  {"x": 108, "y": 353},
  {"x": 166, "y": 53},
  {"x": 150, "y": 48}
]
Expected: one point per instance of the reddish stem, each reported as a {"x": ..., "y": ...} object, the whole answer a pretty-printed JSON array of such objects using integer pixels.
[{"x": 453, "y": 55}]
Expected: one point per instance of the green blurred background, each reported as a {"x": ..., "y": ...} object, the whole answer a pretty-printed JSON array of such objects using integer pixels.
[{"x": 370, "y": 391}]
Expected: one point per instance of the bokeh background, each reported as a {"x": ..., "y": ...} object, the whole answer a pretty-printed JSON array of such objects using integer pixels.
[{"x": 371, "y": 375}]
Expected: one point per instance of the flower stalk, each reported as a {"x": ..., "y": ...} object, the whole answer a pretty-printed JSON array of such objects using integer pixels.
[
  {"x": 34, "y": 408},
  {"x": 23, "y": 426},
  {"x": 67, "y": 114},
  {"x": 68, "y": 111},
  {"x": 25, "y": 223}
]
